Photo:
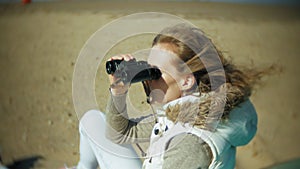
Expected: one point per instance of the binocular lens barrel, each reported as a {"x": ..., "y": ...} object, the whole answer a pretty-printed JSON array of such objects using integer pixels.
[
  {"x": 111, "y": 66},
  {"x": 147, "y": 74},
  {"x": 132, "y": 71}
]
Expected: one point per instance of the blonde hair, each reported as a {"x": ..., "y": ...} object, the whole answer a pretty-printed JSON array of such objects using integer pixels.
[{"x": 207, "y": 62}]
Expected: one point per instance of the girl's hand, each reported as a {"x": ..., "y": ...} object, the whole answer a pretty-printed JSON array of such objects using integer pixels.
[{"x": 118, "y": 87}]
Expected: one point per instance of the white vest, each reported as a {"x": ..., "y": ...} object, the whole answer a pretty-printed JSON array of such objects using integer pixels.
[
  {"x": 158, "y": 147},
  {"x": 240, "y": 129}
]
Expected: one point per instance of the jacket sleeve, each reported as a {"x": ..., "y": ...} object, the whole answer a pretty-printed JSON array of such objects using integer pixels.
[
  {"x": 122, "y": 130},
  {"x": 187, "y": 151}
]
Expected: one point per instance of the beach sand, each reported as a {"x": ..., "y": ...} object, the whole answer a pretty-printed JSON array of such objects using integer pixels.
[{"x": 40, "y": 43}]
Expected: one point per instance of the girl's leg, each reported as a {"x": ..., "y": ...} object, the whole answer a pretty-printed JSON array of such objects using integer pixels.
[
  {"x": 87, "y": 156},
  {"x": 109, "y": 155}
]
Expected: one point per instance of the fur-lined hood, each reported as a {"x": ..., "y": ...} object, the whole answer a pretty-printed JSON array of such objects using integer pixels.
[{"x": 238, "y": 128}]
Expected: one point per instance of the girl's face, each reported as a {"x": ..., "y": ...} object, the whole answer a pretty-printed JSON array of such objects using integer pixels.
[{"x": 166, "y": 88}]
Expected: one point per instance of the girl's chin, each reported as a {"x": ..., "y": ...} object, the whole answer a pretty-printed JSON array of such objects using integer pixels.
[
  {"x": 154, "y": 100},
  {"x": 157, "y": 97}
]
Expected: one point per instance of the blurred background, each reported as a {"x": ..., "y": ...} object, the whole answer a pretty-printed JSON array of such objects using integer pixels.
[{"x": 41, "y": 40}]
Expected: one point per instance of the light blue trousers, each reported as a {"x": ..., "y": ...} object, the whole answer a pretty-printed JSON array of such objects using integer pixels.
[{"x": 96, "y": 149}]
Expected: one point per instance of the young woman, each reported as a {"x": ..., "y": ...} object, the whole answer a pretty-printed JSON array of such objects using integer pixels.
[{"x": 201, "y": 108}]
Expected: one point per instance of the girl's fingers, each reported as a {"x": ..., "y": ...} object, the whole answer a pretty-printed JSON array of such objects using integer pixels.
[
  {"x": 125, "y": 57},
  {"x": 130, "y": 56},
  {"x": 116, "y": 58}
]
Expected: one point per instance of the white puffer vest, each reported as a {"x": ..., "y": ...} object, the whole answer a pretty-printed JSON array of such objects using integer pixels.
[{"x": 237, "y": 131}]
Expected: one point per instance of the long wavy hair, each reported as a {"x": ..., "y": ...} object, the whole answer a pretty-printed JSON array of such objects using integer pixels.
[{"x": 203, "y": 59}]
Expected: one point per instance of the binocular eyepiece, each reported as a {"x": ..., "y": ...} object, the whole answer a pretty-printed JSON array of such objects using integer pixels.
[{"x": 132, "y": 71}]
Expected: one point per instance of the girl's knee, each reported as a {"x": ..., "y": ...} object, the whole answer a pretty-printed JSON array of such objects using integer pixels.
[
  {"x": 91, "y": 118},
  {"x": 92, "y": 114}
]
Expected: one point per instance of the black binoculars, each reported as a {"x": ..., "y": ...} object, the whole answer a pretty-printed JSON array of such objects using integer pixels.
[{"x": 132, "y": 71}]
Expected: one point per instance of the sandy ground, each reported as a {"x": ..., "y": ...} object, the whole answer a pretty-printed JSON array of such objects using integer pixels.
[{"x": 40, "y": 43}]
